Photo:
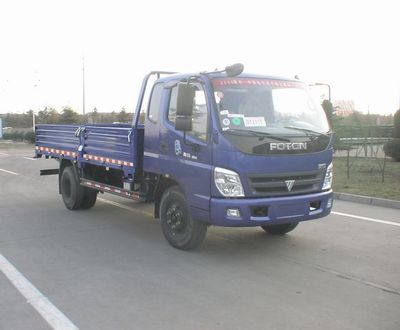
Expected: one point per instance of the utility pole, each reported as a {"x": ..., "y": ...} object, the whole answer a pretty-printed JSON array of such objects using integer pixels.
[
  {"x": 83, "y": 85},
  {"x": 399, "y": 96}
]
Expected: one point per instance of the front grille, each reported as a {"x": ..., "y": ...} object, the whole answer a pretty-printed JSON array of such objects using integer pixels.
[{"x": 277, "y": 184}]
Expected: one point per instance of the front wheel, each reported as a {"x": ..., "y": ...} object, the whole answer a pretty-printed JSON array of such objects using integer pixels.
[
  {"x": 280, "y": 229},
  {"x": 178, "y": 226}
]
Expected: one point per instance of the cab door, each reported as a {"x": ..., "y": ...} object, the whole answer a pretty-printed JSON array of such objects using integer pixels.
[
  {"x": 151, "y": 117},
  {"x": 187, "y": 158}
]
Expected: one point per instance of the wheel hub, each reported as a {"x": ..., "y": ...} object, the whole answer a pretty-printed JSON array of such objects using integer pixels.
[{"x": 175, "y": 218}]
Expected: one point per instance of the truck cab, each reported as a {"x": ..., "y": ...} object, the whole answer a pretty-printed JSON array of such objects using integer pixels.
[{"x": 258, "y": 151}]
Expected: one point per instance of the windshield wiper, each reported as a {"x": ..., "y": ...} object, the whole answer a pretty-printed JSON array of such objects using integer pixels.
[
  {"x": 306, "y": 130},
  {"x": 261, "y": 135}
]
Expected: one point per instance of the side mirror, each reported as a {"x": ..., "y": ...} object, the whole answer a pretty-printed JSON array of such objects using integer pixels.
[
  {"x": 185, "y": 99},
  {"x": 184, "y": 107},
  {"x": 334, "y": 138}
]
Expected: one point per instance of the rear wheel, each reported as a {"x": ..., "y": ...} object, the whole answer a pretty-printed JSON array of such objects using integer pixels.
[
  {"x": 280, "y": 229},
  {"x": 71, "y": 191},
  {"x": 178, "y": 226},
  {"x": 89, "y": 198}
]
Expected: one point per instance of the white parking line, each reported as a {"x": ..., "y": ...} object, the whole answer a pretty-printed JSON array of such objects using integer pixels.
[
  {"x": 9, "y": 172},
  {"x": 30, "y": 158},
  {"x": 367, "y": 219},
  {"x": 122, "y": 206},
  {"x": 3, "y": 154},
  {"x": 53, "y": 316}
]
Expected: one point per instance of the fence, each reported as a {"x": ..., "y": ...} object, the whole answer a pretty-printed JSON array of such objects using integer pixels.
[{"x": 355, "y": 142}]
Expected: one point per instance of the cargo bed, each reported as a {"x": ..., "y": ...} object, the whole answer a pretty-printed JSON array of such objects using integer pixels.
[{"x": 118, "y": 146}]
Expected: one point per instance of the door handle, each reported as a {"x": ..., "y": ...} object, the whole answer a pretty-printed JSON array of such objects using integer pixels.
[{"x": 164, "y": 147}]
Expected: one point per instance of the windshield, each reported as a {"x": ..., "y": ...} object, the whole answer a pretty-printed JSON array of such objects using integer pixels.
[{"x": 277, "y": 107}]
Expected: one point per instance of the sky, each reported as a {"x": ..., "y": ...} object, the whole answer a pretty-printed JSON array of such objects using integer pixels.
[{"x": 351, "y": 45}]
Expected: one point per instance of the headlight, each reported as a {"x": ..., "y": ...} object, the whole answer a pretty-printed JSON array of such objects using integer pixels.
[
  {"x": 328, "y": 178},
  {"x": 228, "y": 182}
]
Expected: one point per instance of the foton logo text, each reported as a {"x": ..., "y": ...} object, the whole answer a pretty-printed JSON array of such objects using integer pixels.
[{"x": 288, "y": 146}]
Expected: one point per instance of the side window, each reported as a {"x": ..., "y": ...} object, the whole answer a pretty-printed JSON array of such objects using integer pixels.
[
  {"x": 200, "y": 113},
  {"x": 172, "y": 106},
  {"x": 155, "y": 102}
]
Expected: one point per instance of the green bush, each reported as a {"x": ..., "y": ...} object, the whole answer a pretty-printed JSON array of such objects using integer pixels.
[
  {"x": 15, "y": 136},
  {"x": 30, "y": 136},
  {"x": 392, "y": 149},
  {"x": 7, "y": 136}
]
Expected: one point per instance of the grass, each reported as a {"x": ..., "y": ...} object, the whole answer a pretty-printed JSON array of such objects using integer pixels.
[{"x": 366, "y": 177}]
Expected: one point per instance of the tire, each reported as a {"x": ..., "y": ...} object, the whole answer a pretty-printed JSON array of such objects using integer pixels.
[
  {"x": 89, "y": 198},
  {"x": 280, "y": 229},
  {"x": 71, "y": 191},
  {"x": 177, "y": 224}
]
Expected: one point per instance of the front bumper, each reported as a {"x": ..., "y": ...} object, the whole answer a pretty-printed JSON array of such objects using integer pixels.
[{"x": 278, "y": 210}]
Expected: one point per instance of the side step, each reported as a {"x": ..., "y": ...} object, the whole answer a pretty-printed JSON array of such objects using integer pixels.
[
  {"x": 50, "y": 172},
  {"x": 112, "y": 190}
]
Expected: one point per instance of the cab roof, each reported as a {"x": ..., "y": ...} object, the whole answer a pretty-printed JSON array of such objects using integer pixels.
[{"x": 212, "y": 75}]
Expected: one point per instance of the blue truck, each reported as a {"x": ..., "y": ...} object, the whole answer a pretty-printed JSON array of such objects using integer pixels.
[{"x": 221, "y": 148}]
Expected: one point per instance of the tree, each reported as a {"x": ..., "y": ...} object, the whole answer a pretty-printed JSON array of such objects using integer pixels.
[
  {"x": 69, "y": 116},
  {"x": 396, "y": 123},
  {"x": 93, "y": 116},
  {"x": 392, "y": 148},
  {"x": 48, "y": 116},
  {"x": 123, "y": 116}
]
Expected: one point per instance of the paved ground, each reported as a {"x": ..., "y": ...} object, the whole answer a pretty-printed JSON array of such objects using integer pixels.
[{"x": 110, "y": 267}]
